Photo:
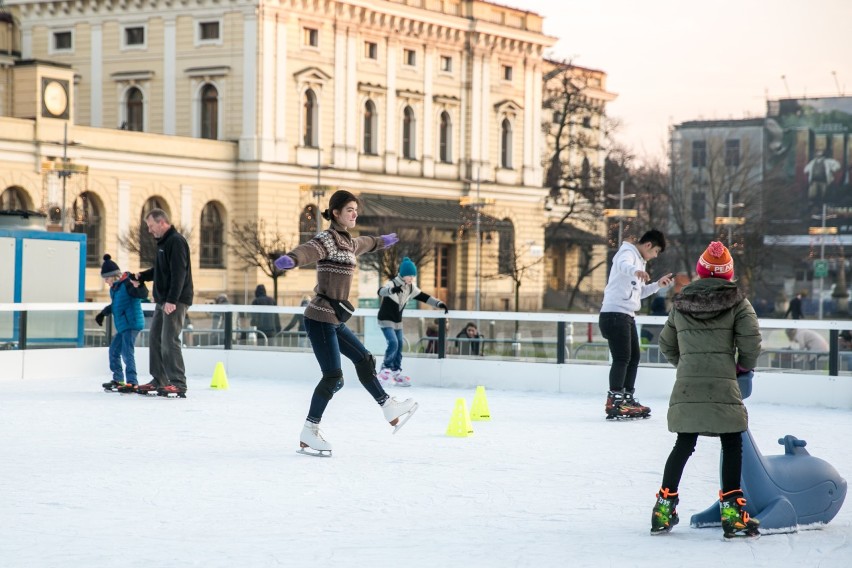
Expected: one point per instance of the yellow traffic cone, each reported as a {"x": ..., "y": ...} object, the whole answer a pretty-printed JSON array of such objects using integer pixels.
[
  {"x": 460, "y": 426},
  {"x": 220, "y": 379},
  {"x": 479, "y": 408}
]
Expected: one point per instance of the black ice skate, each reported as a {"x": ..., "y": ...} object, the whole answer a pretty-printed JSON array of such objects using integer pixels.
[
  {"x": 112, "y": 386},
  {"x": 637, "y": 408},
  {"x": 664, "y": 515},
  {"x": 171, "y": 391},
  {"x": 736, "y": 522},
  {"x": 616, "y": 407}
]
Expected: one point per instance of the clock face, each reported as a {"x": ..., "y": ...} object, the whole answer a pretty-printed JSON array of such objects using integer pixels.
[{"x": 55, "y": 98}]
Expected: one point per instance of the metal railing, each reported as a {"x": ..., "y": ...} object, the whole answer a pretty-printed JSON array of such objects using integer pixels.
[{"x": 544, "y": 337}]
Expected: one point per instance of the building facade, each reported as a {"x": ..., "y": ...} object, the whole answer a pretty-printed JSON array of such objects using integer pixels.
[{"x": 250, "y": 110}]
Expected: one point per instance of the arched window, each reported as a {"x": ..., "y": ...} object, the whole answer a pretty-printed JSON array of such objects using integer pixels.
[
  {"x": 445, "y": 150},
  {"x": 408, "y": 133},
  {"x": 308, "y": 223},
  {"x": 209, "y": 112},
  {"x": 147, "y": 243},
  {"x": 506, "y": 144},
  {"x": 13, "y": 199},
  {"x": 86, "y": 219},
  {"x": 311, "y": 120},
  {"x": 135, "y": 110},
  {"x": 506, "y": 252},
  {"x": 370, "y": 127},
  {"x": 212, "y": 237}
]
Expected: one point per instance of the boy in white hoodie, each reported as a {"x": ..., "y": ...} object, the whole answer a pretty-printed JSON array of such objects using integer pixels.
[{"x": 628, "y": 283}]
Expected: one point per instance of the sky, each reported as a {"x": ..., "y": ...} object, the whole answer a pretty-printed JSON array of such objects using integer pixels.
[
  {"x": 671, "y": 61},
  {"x": 100, "y": 480}
]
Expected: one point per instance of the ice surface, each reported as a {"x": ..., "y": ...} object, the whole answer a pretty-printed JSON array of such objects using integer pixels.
[{"x": 96, "y": 479}]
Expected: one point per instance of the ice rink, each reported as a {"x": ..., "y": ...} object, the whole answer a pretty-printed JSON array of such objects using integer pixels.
[{"x": 93, "y": 479}]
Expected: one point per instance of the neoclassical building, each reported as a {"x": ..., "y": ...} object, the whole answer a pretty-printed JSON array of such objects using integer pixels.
[{"x": 230, "y": 111}]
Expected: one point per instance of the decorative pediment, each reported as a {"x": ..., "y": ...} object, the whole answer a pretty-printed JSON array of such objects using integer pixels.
[
  {"x": 372, "y": 88},
  {"x": 132, "y": 76},
  {"x": 507, "y": 106},
  {"x": 211, "y": 71},
  {"x": 446, "y": 99},
  {"x": 311, "y": 75},
  {"x": 406, "y": 94}
]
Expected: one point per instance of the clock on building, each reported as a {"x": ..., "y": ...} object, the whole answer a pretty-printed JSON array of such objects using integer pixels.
[{"x": 54, "y": 97}]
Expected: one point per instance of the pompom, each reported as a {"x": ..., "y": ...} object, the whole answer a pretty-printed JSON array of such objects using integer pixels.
[
  {"x": 107, "y": 257},
  {"x": 716, "y": 249}
]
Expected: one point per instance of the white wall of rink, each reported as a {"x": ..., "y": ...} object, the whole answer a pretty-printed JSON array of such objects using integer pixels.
[{"x": 797, "y": 389}]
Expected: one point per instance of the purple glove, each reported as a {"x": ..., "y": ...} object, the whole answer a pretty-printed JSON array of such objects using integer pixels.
[
  {"x": 389, "y": 240},
  {"x": 284, "y": 262}
]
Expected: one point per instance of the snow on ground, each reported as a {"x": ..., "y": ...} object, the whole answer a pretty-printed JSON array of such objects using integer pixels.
[{"x": 96, "y": 479}]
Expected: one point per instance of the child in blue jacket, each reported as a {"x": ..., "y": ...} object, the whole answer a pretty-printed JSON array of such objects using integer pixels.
[{"x": 128, "y": 320}]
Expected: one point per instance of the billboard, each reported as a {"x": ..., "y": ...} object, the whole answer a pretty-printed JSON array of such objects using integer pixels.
[{"x": 808, "y": 158}]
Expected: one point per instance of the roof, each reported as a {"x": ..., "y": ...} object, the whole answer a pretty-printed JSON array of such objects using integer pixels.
[
  {"x": 438, "y": 213},
  {"x": 570, "y": 233}
]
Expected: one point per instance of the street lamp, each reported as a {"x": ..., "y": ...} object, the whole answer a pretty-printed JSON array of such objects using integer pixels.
[
  {"x": 317, "y": 190},
  {"x": 621, "y": 213},
  {"x": 64, "y": 170},
  {"x": 822, "y": 231},
  {"x": 730, "y": 220},
  {"x": 477, "y": 205}
]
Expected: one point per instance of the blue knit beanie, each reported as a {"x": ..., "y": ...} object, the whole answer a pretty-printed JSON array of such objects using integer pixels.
[{"x": 407, "y": 268}]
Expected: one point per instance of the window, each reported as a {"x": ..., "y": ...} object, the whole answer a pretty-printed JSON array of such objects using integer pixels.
[
  {"x": 212, "y": 232},
  {"x": 445, "y": 149},
  {"x": 408, "y": 132},
  {"x": 308, "y": 224},
  {"x": 371, "y": 50},
  {"x": 309, "y": 131},
  {"x": 311, "y": 37},
  {"x": 134, "y": 35},
  {"x": 209, "y": 112},
  {"x": 698, "y": 205},
  {"x": 147, "y": 243},
  {"x": 86, "y": 219},
  {"x": 506, "y": 251},
  {"x": 208, "y": 31},
  {"x": 587, "y": 122},
  {"x": 507, "y": 72},
  {"x": 13, "y": 199},
  {"x": 506, "y": 144},
  {"x": 134, "y": 110},
  {"x": 409, "y": 57},
  {"x": 732, "y": 153},
  {"x": 62, "y": 41},
  {"x": 446, "y": 64},
  {"x": 699, "y": 154},
  {"x": 370, "y": 127}
]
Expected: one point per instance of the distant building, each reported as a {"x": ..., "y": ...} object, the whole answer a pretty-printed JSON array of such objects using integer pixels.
[{"x": 225, "y": 113}]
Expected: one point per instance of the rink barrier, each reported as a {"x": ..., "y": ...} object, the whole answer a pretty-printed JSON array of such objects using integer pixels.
[{"x": 526, "y": 371}]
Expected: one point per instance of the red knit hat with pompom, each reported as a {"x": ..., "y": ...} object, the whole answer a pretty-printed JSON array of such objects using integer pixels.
[{"x": 716, "y": 262}]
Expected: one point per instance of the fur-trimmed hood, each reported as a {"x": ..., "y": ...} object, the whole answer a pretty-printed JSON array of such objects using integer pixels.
[{"x": 706, "y": 298}]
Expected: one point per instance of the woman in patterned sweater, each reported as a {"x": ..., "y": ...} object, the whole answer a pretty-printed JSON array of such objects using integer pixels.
[{"x": 335, "y": 251}]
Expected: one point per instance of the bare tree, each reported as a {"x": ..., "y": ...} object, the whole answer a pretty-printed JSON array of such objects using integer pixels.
[
  {"x": 514, "y": 265},
  {"x": 577, "y": 131},
  {"x": 416, "y": 244},
  {"x": 141, "y": 242},
  {"x": 258, "y": 247},
  {"x": 577, "y": 134}
]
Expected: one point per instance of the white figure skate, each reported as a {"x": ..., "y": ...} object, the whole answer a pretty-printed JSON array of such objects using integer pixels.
[
  {"x": 311, "y": 442},
  {"x": 397, "y": 412}
]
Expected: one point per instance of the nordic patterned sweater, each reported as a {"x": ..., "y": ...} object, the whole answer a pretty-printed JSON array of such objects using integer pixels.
[
  {"x": 335, "y": 251},
  {"x": 390, "y": 310}
]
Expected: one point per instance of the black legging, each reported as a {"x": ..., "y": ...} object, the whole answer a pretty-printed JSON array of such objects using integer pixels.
[{"x": 732, "y": 460}]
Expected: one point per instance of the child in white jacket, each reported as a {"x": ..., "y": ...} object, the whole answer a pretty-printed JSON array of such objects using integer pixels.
[{"x": 395, "y": 294}]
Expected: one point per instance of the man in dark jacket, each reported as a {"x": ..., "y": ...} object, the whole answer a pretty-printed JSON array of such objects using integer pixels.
[
  {"x": 269, "y": 324},
  {"x": 172, "y": 278}
]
